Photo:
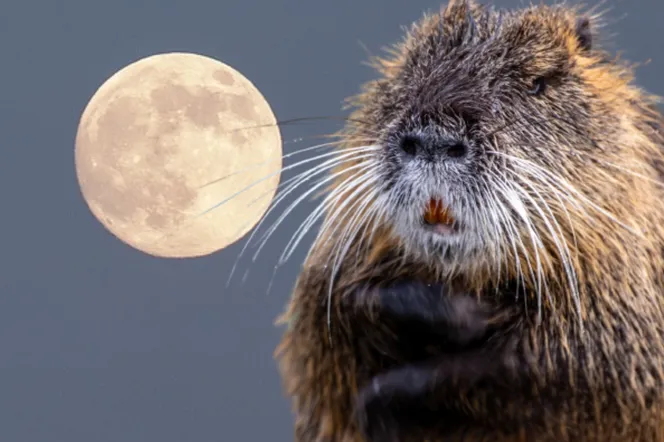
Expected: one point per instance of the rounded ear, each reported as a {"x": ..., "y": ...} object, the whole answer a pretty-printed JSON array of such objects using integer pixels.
[
  {"x": 461, "y": 15},
  {"x": 584, "y": 33},
  {"x": 455, "y": 7}
]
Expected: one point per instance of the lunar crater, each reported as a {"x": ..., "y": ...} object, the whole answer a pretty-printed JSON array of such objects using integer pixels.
[{"x": 157, "y": 131}]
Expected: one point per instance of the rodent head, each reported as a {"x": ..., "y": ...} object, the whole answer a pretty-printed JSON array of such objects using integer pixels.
[{"x": 502, "y": 134}]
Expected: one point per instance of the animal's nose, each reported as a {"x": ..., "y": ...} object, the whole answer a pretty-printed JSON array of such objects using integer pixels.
[
  {"x": 453, "y": 149},
  {"x": 414, "y": 146}
]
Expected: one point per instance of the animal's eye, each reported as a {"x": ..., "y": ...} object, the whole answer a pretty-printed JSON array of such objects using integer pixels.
[{"x": 538, "y": 86}]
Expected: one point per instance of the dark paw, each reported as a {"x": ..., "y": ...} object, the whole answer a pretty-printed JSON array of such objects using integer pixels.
[
  {"x": 432, "y": 309},
  {"x": 376, "y": 424},
  {"x": 387, "y": 408}
]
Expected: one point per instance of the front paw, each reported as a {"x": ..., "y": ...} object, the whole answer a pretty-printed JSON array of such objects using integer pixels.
[
  {"x": 386, "y": 408},
  {"x": 376, "y": 422},
  {"x": 457, "y": 319}
]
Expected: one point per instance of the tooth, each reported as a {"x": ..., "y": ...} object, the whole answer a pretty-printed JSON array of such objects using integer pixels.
[
  {"x": 442, "y": 216},
  {"x": 437, "y": 213},
  {"x": 429, "y": 216}
]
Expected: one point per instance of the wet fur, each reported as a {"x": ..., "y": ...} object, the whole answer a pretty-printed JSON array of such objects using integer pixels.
[{"x": 455, "y": 341}]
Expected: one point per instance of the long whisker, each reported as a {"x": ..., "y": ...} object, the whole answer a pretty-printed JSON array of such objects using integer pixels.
[
  {"x": 502, "y": 220},
  {"x": 631, "y": 172},
  {"x": 307, "y": 174},
  {"x": 515, "y": 237},
  {"x": 491, "y": 219},
  {"x": 322, "y": 207},
  {"x": 503, "y": 185},
  {"x": 313, "y": 216},
  {"x": 374, "y": 221},
  {"x": 560, "y": 197},
  {"x": 513, "y": 198},
  {"x": 491, "y": 222},
  {"x": 342, "y": 188},
  {"x": 553, "y": 186},
  {"x": 340, "y": 221},
  {"x": 283, "y": 157},
  {"x": 299, "y": 163},
  {"x": 346, "y": 239},
  {"x": 361, "y": 183},
  {"x": 558, "y": 239},
  {"x": 559, "y": 187},
  {"x": 292, "y": 206},
  {"x": 353, "y": 155},
  {"x": 301, "y": 120},
  {"x": 302, "y": 197},
  {"x": 555, "y": 179},
  {"x": 370, "y": 180}
]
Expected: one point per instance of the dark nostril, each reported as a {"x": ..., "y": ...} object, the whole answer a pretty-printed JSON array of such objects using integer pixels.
[
  {"x": 410, "y": 144},
  {"x": 456, "y": 150}
]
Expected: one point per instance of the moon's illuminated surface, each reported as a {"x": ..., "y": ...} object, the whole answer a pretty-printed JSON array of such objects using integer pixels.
[{"x": 160, "y": 129}]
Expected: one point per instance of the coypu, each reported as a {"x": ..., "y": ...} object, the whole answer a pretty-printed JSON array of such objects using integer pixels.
[{"x": 491, "y": 263}]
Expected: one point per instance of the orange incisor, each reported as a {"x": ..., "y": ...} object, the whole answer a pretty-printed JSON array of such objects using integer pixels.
[{"x": 437, "y": 213}]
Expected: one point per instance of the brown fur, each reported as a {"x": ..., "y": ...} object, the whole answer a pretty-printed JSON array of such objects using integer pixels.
[{"x": 605, "y": 356}]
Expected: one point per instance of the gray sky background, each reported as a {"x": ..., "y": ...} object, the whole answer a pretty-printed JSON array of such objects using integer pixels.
[{"x": 101, "y": 343}]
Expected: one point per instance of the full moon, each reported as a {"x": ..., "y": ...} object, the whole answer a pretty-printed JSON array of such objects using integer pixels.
[{"x": 156, "y": 134}]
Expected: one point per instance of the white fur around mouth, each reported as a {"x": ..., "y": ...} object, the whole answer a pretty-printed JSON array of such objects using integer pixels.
[{"x": 442, "y": 229}]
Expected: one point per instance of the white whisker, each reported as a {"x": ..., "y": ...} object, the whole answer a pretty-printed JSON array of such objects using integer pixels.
[
  {"x": 512, "y": 197},
  {"x": 558, "y": 239},
  {"x": 298, "y": 180},
  {"x": 324, "y": 206},
  {"x": 283, "y": 157},
  {"x": 278, "y": 172},
  {"x": 631, "y": 172},
  {"x": 300, "y": 199},
  {"x": 346, "y": 239},
  {"x": 555, "y": 179}
]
